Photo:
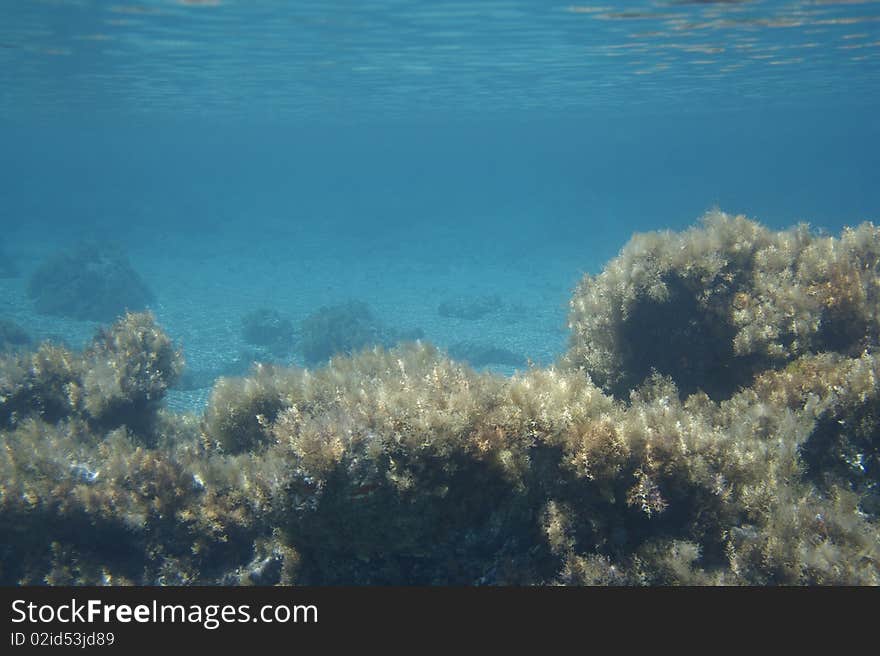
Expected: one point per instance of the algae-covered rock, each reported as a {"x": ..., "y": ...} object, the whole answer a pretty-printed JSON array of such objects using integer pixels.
[
  {"x": 119, "y": 380},
  {"x": 128, "y": 369},
  {"x": 715, "y": 305}
]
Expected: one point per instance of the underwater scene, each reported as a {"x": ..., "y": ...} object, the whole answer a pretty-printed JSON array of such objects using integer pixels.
[{"x": 468, "y": 293}]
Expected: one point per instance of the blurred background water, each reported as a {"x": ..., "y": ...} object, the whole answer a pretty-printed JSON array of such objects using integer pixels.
[{"x": 264, "y": 154}]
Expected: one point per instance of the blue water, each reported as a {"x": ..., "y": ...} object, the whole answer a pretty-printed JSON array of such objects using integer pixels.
[{"x": 251, "y": 154}]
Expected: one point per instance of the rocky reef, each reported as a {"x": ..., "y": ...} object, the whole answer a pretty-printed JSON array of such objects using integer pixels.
[{"x": 715, "y": 421}]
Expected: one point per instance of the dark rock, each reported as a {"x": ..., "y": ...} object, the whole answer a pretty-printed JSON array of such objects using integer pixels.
[
  {"x": 346, "y": 328},
  {"x": 89, "y": 282},
  {"x": 269, "y": 329}
]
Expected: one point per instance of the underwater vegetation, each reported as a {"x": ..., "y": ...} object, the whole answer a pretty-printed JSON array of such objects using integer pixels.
[
  {"x": 90, "y": 281},
  {"x": 713, "y": 306},
  {"x": 119, "y": 379},
  {"x": 624, "y": 463}
]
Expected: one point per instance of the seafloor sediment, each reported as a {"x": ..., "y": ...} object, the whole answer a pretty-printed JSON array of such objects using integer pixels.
[{"x": 714, "y": 421}]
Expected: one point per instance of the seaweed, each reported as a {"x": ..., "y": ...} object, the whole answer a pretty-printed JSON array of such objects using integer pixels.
[
  {"x": 401, "y": 465},
  {"x": 719, "y": 303},
  {"x": 119, "y": 380}
]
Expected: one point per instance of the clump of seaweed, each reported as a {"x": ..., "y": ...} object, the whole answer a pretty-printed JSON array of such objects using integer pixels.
[
  {"x": 719, "y": 303},
  {"x": 78, "y": 507},
  {"x": 699, "y": 492},
  {"x": 241, "y": 410},
  {"x": 88, "y": 282},
  {"x": 44, "y": 383},
  {"x": 119, "y": 380},
  {"x": 128, "y": 369},
  {"x": 383, "y": 450}
]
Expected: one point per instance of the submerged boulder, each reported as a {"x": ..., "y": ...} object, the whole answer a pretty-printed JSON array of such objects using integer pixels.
[
  {"x": 88, "y": 282},
  {"x": 345, "y": 329},
  {"x": 268, "y": 329}
]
